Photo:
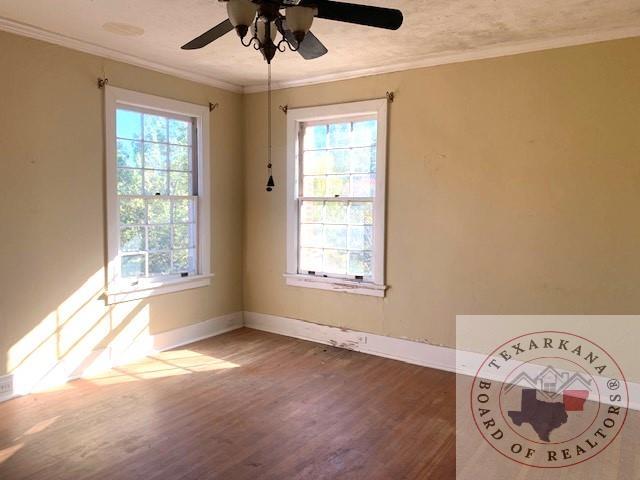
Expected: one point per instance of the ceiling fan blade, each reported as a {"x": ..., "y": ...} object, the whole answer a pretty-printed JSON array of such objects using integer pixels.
[
  {"x": 310, "y": 47},
  {"x": 380, "y": 17},
  {"x": 209, "y": 36}
]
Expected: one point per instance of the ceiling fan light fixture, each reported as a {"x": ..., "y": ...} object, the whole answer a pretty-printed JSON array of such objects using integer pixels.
[
  {"x": 242, "y": 30},
  {"x": 241, "y": 14},
  {"x": 265, "y": 41},
  {"x": 299, "y": 20},
  {"x": 295, "y": 25},
  {"x": 261, "y": 33},
  {"x": 263, "y": 18}
]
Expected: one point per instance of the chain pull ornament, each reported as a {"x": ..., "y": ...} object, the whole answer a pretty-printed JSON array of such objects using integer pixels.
[{"x": 270, "y": 183}]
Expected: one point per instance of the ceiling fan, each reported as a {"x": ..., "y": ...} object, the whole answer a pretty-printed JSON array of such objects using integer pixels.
[{"x": 265, "y": 20}]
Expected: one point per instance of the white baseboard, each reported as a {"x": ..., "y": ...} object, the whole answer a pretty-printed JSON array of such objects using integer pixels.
[
  {"x": 409, "y": 351},
  {"x": 113, "y": 356},
  {"x": 198, "y": 331},
  {"x": 417, "y": 353},
  {"x": 62, "y": 371}
]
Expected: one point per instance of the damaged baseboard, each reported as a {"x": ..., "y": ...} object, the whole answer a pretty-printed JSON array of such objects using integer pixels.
[{"x": 409, "y": 351}]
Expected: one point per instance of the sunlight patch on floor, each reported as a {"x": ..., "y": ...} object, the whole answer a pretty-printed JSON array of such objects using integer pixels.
[
  {"x": 41, "y": 426},
  {"x": 161, "y": 365},
  {"x": 9, "y": 451}
]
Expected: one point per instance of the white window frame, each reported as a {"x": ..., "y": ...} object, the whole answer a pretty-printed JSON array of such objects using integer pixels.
[
  {"x": 297, "y": 116},
  {"x": 119, "y": 290}
]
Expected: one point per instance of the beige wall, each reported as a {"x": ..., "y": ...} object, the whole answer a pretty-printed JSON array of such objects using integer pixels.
[
  {"x": 52, "y": 204},
  {"x": 513, "y": 185}
]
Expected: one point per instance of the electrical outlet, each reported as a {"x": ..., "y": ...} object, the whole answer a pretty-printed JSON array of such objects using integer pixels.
[{"x": 6, "y": 386}]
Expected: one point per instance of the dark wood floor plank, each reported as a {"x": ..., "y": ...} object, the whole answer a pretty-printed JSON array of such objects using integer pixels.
[{"x": 288, "y": 409}]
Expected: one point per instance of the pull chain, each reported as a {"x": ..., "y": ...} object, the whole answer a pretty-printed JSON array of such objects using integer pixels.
[{"x": 270, "y": 182}]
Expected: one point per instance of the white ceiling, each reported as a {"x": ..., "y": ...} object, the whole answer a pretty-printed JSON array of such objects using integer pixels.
[{"x": 150, "y": 32}]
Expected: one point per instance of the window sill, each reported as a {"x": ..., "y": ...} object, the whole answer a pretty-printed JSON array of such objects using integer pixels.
[
  {"x": 336, "y": 284},
  {"x": 158, "y": 288}
]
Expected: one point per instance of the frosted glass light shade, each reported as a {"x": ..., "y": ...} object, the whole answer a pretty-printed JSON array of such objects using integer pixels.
[
  {"x": 241, "y": 12},
  {"x": 299, "y": 19}
]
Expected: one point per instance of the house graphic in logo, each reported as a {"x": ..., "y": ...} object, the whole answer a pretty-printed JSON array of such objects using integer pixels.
[{"x": 551, "y": 383}]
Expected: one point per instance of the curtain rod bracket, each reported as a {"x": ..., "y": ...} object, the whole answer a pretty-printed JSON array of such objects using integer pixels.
[
  {"x": 391, "y": 97},
  {"x": 212, "y": 106},
  {"x": 102, "y": 82},
  {"x": 284, "y": 108}
]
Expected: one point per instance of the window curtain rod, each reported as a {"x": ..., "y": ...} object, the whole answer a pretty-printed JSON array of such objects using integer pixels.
[
  {"x": 103, "y": 82},
  {"x": 390, "y": 96}
]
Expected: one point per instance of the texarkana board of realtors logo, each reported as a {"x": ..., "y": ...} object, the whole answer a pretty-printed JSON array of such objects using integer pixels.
[{"x": 549, "y": 399}]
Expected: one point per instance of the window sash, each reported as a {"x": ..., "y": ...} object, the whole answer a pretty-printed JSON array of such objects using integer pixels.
[
  {"x": 357, "y": 117},
  {"x": 301, "y": 127},
  {"x": 131, "y": 289},
  {"x": 345, "y": 200},
  {"x": 153, "y": 111},
  {"x": 197, "y": 142},
  {"x": 192, "y": 142},
  {"x": 301, "y": 198},
  {"x": 337, "y": 199},
  {"x": 193, "y": 225},
  {"x": 171, "y": 222},
  {"x": 299, "y": 119}
]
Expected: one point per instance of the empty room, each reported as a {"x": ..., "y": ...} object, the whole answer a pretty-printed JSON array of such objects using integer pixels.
[{"x": 313, "y": 239}]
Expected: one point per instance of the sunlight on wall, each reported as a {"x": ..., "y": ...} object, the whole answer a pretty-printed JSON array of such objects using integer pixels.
[
  {"x": 81, "y": 334},
  {"x": 84, "y": 337},
  {"x": 129, "y": 339}
]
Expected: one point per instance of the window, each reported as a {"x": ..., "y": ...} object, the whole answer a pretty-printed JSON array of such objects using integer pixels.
[
  {"x": 157, "y": 188},
  {"x": 336, "y": 197}
]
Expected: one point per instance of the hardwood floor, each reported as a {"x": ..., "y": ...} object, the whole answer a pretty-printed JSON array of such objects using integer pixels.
[{"x": 244, "y": 405}]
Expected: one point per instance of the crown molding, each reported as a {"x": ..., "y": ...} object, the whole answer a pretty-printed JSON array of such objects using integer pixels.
[
  {"x": 501, "y": 50},
  {"x": 25, "y": 30},
  {"x": 494, "y": 51}
]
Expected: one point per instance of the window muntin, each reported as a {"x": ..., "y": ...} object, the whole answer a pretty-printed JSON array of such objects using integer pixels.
[
  {"x": 156, "y": 194},
  {"x": 336, "y": 200}
]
